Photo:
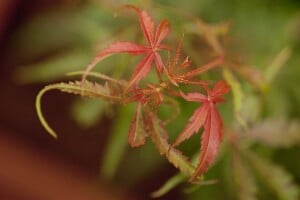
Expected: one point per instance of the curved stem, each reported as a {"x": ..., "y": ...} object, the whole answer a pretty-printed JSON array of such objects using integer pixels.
[{"x": 39, "y": 110}]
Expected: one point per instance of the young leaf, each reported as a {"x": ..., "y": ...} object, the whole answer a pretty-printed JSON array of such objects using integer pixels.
[
  {"x": 176, "y": 77},
  {"x": 208, "y": 116},
  {"x": 151, "y": 95},
  {"x": 210, "y": 141},
  {"x": 153, "y": 46},
  {"x": 137, "y": 133}
]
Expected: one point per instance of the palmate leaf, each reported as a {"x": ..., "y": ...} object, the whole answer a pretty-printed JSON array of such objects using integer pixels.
[
  {"x": 154, "y": 44},
  {"x": 176, "y": 77},
  {"x": 87, "y": 89},
  {"x": 150, "y": 50},
  {"x": 278, "y": 180},
  {"x": 208, "y": 116}
]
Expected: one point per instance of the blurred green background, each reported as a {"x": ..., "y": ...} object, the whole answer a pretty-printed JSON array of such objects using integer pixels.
[{"x": 40, "y": 41}]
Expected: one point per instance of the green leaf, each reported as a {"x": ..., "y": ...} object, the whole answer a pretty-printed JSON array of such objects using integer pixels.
[
  {"x": 238, "y": 95},
  {"x": 117, "y": 143},
  {"x": 169, "y": 185},
  {"x": 192, "y": 188},
  {"x": 252, "y": 108},
  {"x": 245, "y": 185},
  {"x": 275, "y": 177},
  {"x": 173, "y": 181},
  {"x": 177, "y": 179},
  {"x": 279, "y": 62},
  {"x": 53, "y": 68},
  {"x": 87, "y": 112},
  {"x": 253, "y": 75},
  {"x": 60, "y": 29}
]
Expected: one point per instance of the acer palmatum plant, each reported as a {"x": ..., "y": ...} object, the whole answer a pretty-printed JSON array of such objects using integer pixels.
[{"x": 149, "y": 98}]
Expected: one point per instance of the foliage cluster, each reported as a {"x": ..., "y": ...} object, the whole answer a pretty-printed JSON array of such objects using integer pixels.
[{"x": 252, "y": 137}]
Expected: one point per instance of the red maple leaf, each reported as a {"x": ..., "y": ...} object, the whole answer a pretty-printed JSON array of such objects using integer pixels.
[
  {"x": 206, "y": 116},
  {"x": 150, "y": 50}
]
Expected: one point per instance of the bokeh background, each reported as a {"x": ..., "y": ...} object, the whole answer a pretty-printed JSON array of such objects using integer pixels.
[{"x": 41, "y": 40}]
